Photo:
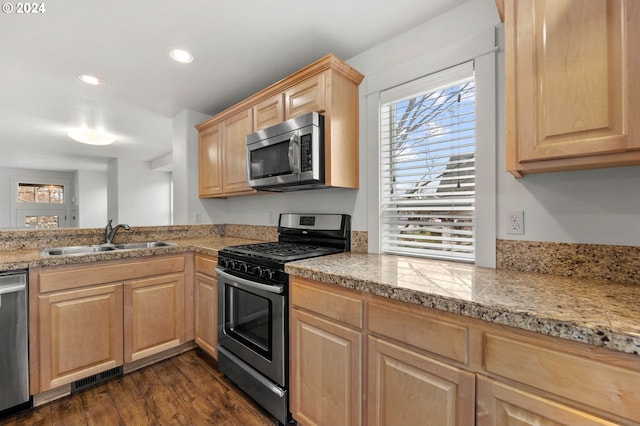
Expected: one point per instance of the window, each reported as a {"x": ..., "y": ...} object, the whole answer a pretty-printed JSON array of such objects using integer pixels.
[
  {"x": 38, "y": 193},
  {"x": 428, "y": 166},
  {"x": 42, "y": 222}
]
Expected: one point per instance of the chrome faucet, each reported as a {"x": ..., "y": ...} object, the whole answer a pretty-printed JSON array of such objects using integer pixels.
[{"x": 110, "y": 231}]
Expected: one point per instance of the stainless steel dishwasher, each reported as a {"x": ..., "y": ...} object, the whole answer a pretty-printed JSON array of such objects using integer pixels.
[{"x": 14, "y": 356}]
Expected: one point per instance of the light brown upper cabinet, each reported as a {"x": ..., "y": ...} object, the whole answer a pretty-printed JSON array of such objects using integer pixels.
[
  {"x": 572, "y": 99},
  {"x": 234, "y": 152},
  {"x": 328, "y": 86},
  {"x": 210, "y": 162},
  {"x": 306, "y": 96},
  {"x": 268, "y": 112}
]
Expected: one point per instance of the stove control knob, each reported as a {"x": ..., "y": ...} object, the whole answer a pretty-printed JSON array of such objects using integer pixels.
[
  {"x": 243, "y": 267},
  {"x": 232, "y": 264},
  {"x": 258, "y": 271},
  {"x": 224, "y": 263},
  {"x": 266, "y": 274}
]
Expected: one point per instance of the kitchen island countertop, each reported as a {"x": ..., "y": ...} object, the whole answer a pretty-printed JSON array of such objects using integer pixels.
[{"x": 597, "y": 312}]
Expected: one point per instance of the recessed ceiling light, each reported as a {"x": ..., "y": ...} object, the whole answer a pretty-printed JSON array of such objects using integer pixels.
[
  {"x": 91, "y": 137},
  {"x": 180, "y": 55},
  {"x": 89, "y": 79}
]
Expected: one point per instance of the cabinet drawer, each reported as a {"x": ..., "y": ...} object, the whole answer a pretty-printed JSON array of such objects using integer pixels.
[
  {"x": 206, "y": 265},
  {"x": 589, "y": 381},
  {"x": 419, "y": 330},
  {"x": 330, "y": 301},
  {"x": 61, "y": 278}
]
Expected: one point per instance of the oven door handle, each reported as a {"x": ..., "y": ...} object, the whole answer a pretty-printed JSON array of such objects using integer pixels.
[{"x": 237, "y": 282}]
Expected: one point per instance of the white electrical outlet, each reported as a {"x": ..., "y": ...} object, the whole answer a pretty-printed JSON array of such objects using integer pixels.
[
  {"x": 197, "y": 218},
  {"x": 515, "y": 222}
]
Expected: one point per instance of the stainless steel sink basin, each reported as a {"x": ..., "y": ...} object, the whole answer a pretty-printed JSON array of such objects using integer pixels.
[
  {"x": 75, "y": 250},
  {"x": 65, "y": 251},
  {"x": 144, "y": 245}
]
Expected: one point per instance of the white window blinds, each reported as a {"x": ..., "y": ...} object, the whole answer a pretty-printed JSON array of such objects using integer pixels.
[{"x": 428, "y": 166}]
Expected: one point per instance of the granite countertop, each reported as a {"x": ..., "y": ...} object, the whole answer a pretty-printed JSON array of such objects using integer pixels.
[{"x": 596, "y": 312}]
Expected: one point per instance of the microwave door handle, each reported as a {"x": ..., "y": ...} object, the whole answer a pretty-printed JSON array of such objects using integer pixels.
[{"x": 294, "y": 154}]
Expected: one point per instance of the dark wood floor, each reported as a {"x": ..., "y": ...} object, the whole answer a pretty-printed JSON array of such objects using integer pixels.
[{"x": 184, "y": 390}]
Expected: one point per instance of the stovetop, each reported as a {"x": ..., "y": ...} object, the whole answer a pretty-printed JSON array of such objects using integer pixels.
[
  {"x": 301, "y": 236},
  {"x": 281, "y": 252}
]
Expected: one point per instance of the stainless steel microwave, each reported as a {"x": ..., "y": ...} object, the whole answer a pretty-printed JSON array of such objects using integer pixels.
[{"x": 288, "y": 156}]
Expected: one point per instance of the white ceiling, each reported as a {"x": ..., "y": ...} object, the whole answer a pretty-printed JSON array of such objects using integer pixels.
[{"x": 240, "y": 47}]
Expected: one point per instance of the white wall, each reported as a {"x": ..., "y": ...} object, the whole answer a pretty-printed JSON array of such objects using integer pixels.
[
  {"x": 596, "y": 206},
  {"x": 187, "y": 207},
  {"x": 142, "y": 197},
  {"x": 91, "y": 198}
]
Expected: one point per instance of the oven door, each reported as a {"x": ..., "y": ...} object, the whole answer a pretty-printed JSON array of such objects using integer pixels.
[{"x": 252, "y": 318}]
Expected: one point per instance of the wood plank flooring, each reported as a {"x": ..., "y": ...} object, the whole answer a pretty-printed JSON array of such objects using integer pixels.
[{"x": 184, "y": 390}]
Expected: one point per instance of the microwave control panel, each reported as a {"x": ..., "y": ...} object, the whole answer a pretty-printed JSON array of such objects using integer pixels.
[{"x": 306, "y": 154}]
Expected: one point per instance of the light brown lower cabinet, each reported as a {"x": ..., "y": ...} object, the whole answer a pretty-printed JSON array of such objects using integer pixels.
[
  {"x": 206, "y": 304},
  {"x": 408, "y": 388},
  {"x": 502, "y": 405},
  {"x": 153, "y": 315},
  {"x": 325, "y": 355},
  {"x": 90, "y": 318},
  {"x": 362, "y": 359},
  {"x": 326, "y": 372},
  {"x": 80, "y": 333}
]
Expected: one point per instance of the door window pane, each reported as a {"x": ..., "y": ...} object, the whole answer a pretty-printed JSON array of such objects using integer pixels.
[
  {"x": 40, "y": 193},
  {"x": 42, "y": 222}
]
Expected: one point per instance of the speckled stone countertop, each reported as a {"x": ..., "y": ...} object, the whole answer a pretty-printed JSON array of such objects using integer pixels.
[
  {"x": 31, "y": 258},
  {"x": 596, "y": 312}
]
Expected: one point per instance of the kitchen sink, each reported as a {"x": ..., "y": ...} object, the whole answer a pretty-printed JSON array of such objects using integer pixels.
[
  {"x": 75, "y": 250},
  {"x": 148, "y": 244},
  {"x": 63, "y": 251}
]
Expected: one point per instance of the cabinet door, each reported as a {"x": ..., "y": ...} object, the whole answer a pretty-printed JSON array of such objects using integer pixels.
[
  {"x": 326, "y": 372},
  {"x": 306, "y": 96},
  {"x": 210, "y": 162},
  {"x": 234, "y": 133},
  {"x": 207, "y": 314},
  {"x": 80, "y": 334},
  {"x": 503, "y": 405},
  {"x": 268, "y": 112},
  {"x": 406, "y": 387},
  {"x": 572, "y": 100},
  {"x": 153, "y": 315}
]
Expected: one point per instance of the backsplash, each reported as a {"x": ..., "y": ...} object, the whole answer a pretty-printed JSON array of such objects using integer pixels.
[
  {"x": 359, "y": 239},
  {"x": 613, "y": 263},
  {"x": 37, "y": 239},
  {"x": 252, "y": 232}
]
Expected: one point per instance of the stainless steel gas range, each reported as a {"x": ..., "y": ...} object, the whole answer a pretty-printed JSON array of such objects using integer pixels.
[{"x": 253, "y": 339}]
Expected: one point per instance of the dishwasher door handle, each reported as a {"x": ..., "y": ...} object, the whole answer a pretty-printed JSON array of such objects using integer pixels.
[{"x": 12, "y": 288}]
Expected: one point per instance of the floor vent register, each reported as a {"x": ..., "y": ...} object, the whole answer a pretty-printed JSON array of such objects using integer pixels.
[{"x": 87, "y": 382}]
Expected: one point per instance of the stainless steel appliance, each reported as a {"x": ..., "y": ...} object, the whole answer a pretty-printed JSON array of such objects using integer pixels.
[
  {"x": 14, "y": 359},
  {"x": 288, "y": 156},
  {"x": 253, "y": 306}
]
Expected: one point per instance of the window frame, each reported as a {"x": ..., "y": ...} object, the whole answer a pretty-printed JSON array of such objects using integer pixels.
[
  {"x": 461, "y": 248},
  {"x": 483, "y": 49}
]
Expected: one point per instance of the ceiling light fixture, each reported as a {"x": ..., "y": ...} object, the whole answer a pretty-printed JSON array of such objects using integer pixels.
[
  {"x": 91, "y": 137},
  {"x": 89, "y": 79},
  {"x": 180, "y": 55}
]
